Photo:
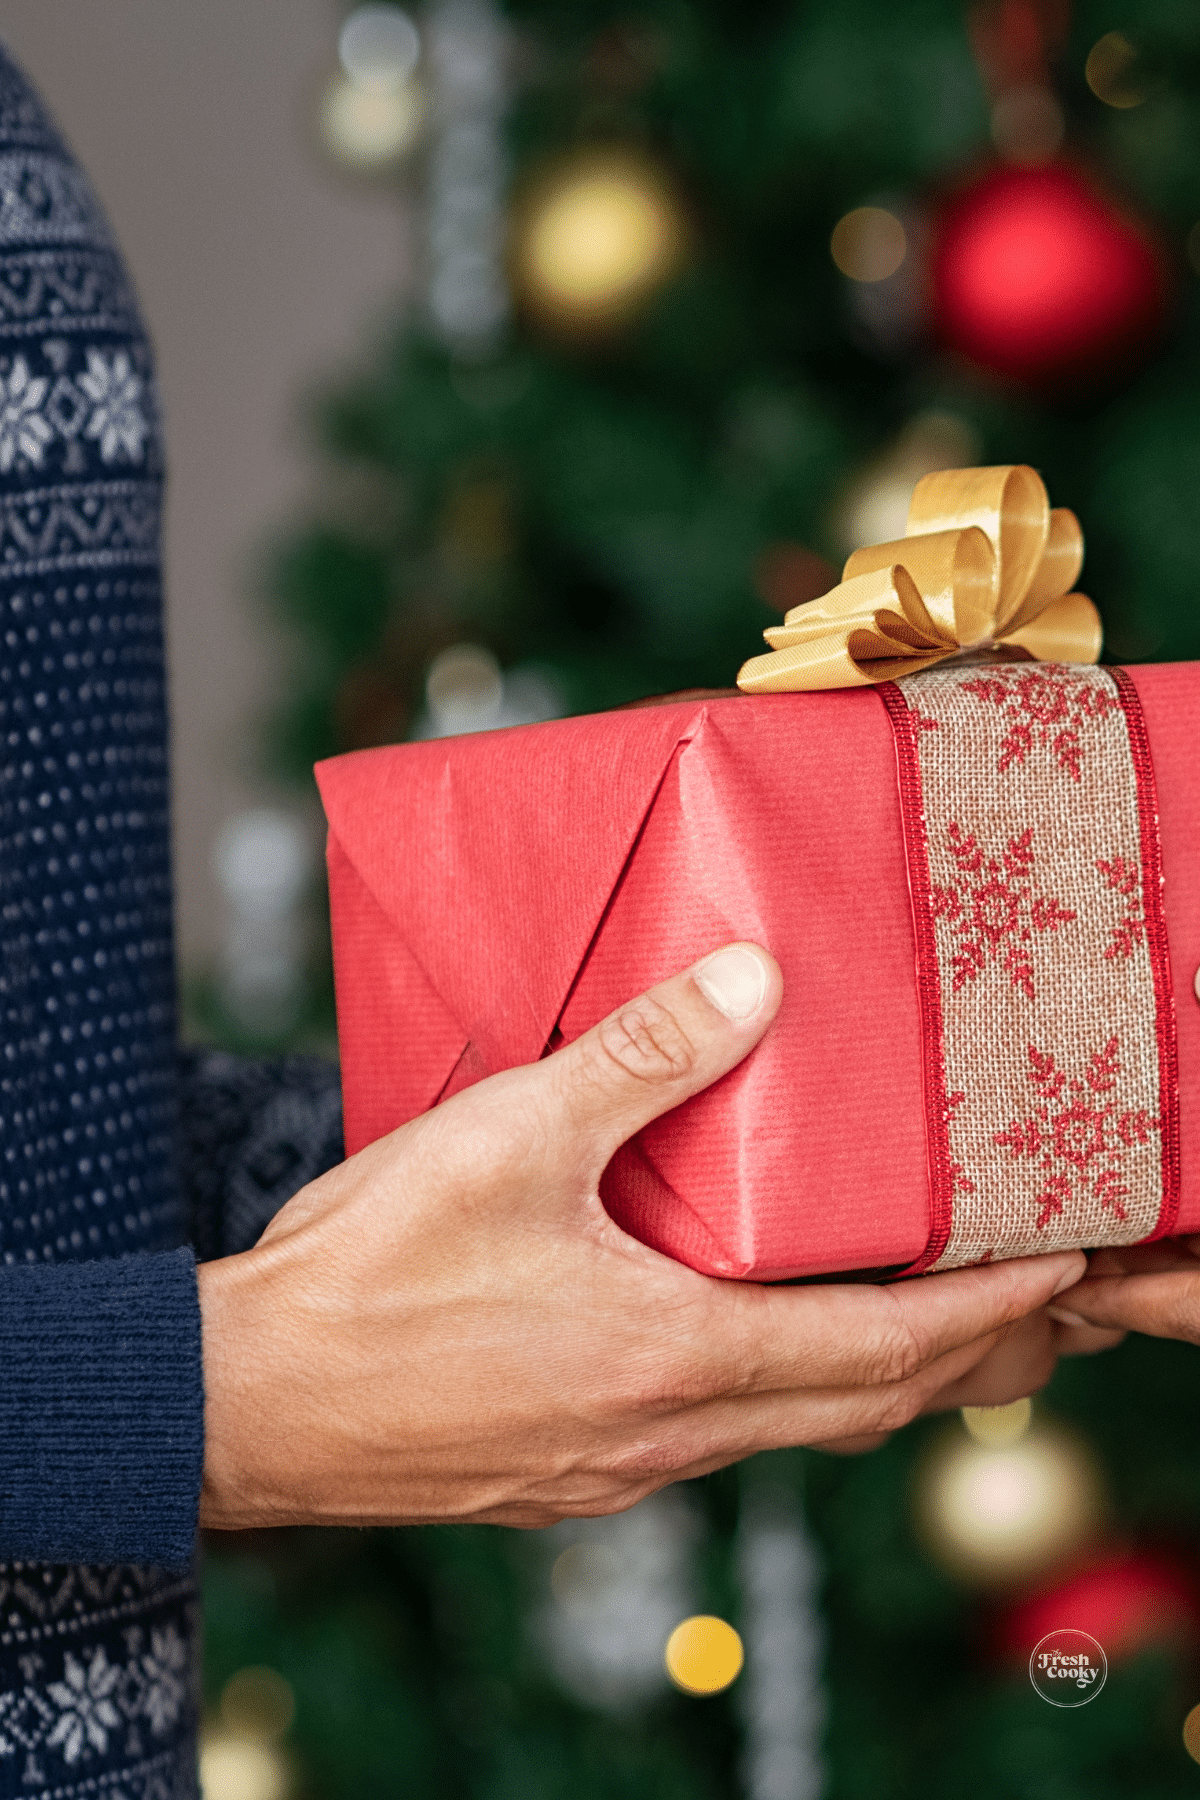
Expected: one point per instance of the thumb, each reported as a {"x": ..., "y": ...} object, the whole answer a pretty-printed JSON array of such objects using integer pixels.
[{"x": 657, "y": 1051}]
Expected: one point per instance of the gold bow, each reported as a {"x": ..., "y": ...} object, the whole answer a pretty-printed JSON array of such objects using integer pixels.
[{"x": 984, "y": 564}]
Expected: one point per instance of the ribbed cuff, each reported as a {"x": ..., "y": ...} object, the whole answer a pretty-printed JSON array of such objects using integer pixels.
[{"x": 101, "y": 1410}]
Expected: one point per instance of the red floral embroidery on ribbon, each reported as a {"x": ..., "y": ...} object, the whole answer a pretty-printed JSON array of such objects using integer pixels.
[
  {"x": 1125, "y": 878},
  {"x": 1048, "y": 708},
  {"x": 1076, "y": 1136},
  {"x": 993, "y": 909},
  {"x": 959, "y": 1184}
]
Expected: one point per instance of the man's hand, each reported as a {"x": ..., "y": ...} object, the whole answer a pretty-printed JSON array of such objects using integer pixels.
[
  {"x": 450, "y": 1327},
  {"x": 1153, "y": 1288}
]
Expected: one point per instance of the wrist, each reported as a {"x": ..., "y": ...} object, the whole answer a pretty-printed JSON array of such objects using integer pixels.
[{"x": 240, "y": 1423}]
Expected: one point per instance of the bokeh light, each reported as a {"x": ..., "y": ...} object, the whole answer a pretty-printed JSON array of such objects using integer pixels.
[
  {"x": 1191, "y": 1734},
  {"x": 998, "y": 1426},
  {"x": 1040, "y": 273},
  {"x": 596, "y": 239},
  {"x": 1128, "y": 1598},
  {"x": 369, "y": 128},
  {"x": 704, "y": 1655},
  {"x": 874, "y": 509},
  {"x": 257, "y": 1704},
  {"x": 583, "y": 1577},
  {"x": 1113, "y": 71},
  {"x": 868, "y": 244},
  {"x": 1000, "y": 1515},
  {"x": 233, "y": 1769},
  {"x": 464, "y": 690},
  {"x": 618, "y": 1587},
  {"x": 379, "y": 46}
]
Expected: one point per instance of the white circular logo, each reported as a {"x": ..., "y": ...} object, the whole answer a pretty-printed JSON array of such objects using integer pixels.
[{"x": 1068, "y": 1668}]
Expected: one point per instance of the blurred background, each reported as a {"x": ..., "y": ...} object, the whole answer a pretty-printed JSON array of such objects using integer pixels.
[{"x": 523, "y": 359}]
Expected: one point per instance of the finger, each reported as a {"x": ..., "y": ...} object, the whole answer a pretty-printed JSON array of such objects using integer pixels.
[
  {"x": 758, "y": 1339},
  {"x": 694, "y": 1440},
  {"x": 1073, "y": 1336},
  {"x": 657, "y": 1051},
  {"x": 1166, "y": 1304},
  {"x": 1142, "y": 1259},
  {"x": 1020, "y": 1364}
]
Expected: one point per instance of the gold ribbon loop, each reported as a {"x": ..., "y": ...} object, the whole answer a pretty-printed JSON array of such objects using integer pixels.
[{"x": 984, "y": 563}]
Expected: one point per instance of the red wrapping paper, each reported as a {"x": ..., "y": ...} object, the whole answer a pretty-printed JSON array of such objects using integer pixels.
[{"x": 493, "y": 891}]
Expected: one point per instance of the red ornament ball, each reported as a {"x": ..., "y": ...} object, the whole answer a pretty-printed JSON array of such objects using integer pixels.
[
  {"x": 1127, "y": 1601},
  {"x": 1036, "y": 274}
]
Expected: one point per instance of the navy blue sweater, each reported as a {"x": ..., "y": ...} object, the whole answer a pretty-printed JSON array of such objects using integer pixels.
[
  {"x": 100, "y": 1360},
  {"x": 101, "y": 1399}
]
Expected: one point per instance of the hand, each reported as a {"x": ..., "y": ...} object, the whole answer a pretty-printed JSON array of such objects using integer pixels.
[
  {"x": 1153, "y": 1288},
  {"x": 450, "y": 1327}
]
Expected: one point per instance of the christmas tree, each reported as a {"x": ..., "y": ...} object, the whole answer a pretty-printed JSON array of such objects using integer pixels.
[{"x": 706, "y": 288}]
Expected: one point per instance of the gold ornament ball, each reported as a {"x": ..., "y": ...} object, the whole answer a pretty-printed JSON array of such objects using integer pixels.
[
  {"x": 998, "y": 1512},
  {"x": 595, "y": 238},
  {"x": 703, "y": 1655}
]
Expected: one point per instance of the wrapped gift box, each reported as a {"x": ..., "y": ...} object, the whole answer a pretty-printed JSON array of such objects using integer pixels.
[{"x": 498, "y": 894}]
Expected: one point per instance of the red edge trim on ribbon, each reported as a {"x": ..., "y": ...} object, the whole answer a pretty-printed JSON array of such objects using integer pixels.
[
  {"x": 1156, "y": 943},
  {"x": 929, "y": 981}
]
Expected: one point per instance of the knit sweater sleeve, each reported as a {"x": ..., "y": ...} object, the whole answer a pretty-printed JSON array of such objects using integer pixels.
[
  {"x": 101, "y": 1378},
  {"x": 254, "y": 1132},
  {"x": 101, "y": 1410}
]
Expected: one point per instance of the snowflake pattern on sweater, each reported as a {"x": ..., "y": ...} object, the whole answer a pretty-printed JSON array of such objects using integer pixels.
[
  {"x": 99, "y": 1675},
  {"x": 92, "y": 395},
  {"x": 98, "y": 1665}
]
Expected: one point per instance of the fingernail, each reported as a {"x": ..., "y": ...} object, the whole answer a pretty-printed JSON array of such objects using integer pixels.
[
  {"x": 1063, "y": 1317},
  {"x": 735, "y": 980},
  {"x": 1075, "y": 1273}
]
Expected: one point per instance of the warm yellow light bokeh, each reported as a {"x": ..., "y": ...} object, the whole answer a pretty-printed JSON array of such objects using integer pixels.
[
  {"x": 704, "y": 1655},
  {"x": 1191, "y": 1734},
  {"x": 231, "y": 1769},
  {"x": 998, "y": 1426},
  {"x": 369, "y": 127},
  {"x": 868, "y": 244},
  {"x": 996, "y": 1515},
  {"x": 1112, "y": 71},
  {"x": 597, "y": 239},
  {"x": 257, "y": 1704}
]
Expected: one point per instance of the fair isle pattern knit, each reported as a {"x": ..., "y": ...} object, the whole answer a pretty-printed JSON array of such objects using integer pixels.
[
  {"x": 97, "y": 1665},
  {"x": 87, "y": 1097},
  {"x": 98, "y": 1695},
  {"x": 104, "y": 1697}
]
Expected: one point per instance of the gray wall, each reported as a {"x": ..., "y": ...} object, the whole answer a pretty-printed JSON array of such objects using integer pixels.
[{"x": 258, "y": 271}]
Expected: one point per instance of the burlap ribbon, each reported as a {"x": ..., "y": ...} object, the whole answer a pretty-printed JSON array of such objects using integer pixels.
[{"x": 985, "y": 564}]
